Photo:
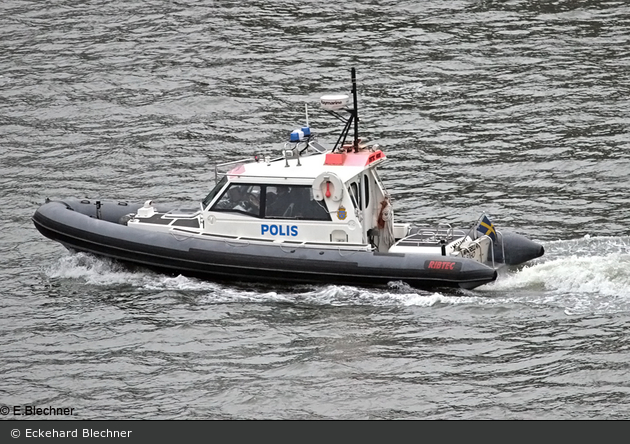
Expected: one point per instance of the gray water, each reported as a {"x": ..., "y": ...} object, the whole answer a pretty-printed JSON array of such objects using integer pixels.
[{"x": 514, "y": 108}]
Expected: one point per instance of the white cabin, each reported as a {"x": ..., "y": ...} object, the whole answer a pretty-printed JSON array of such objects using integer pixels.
[{"x": 308, "y": 196}]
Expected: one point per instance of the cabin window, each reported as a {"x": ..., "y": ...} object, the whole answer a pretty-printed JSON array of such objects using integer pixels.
[
  {"x": 293, "y": 202},
  {"x": 240, "y": 198},
  {"x": 366, "y": 190},
  {"x": 210, "y": 197},
  {"x": 355, "y": 194}
]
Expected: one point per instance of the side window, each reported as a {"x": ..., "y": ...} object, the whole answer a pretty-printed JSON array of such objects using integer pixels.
[
  {"x": 312, "y": 209},
  {"x": 240, "y": 198},
  {"x": 293, "y": 202},
  {"x": 279, "y": 202},
  {"x": 355, "y": 192},
  {"x": 366, "y": 190}
]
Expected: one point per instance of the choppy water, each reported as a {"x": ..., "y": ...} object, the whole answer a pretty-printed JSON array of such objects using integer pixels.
[{"x": 518, "y": 108}]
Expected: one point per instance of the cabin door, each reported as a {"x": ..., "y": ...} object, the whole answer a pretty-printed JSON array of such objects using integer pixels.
[{"x": 366, "y": 195}]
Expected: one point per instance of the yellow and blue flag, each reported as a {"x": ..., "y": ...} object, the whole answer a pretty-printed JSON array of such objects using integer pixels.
[{"x": 486, "y": 227}]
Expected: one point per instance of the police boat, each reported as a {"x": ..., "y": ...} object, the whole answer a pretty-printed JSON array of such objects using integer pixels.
[{"x": 310, "y": 215}]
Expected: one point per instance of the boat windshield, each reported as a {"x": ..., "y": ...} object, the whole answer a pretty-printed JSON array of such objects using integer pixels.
[{"x": 210, "y": 197}]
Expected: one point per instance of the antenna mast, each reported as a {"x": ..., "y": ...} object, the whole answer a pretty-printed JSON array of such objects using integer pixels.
[
  {"x": 334, "y": 103},
  {"x": 355, "y": 111}
]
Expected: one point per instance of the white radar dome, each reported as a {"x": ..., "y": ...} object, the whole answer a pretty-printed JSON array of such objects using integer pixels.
[{"x": 334, "y": 101}]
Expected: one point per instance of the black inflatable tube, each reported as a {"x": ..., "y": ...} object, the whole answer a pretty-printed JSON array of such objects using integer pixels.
[{"x": 75, "y": 224}]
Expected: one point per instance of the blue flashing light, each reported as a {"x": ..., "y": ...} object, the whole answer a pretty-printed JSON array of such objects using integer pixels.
[{"x": 296, "y": 136}]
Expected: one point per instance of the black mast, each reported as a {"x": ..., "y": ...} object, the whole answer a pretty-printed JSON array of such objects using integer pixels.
[
  {"x": 355, "y": 111},
  {"x": 354, "y": 117}
]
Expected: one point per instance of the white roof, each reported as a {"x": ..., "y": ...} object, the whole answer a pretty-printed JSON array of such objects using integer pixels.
[{"x": 344, "y": 165}]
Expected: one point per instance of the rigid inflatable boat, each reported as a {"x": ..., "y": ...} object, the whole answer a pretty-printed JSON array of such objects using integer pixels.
[{"x": 310, "y": 215}]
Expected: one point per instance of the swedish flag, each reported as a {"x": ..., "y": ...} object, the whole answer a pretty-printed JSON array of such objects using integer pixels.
[{"x": 486, "y": 227}]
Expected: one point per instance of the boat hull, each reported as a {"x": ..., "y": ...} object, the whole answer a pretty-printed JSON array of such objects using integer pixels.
[{"x": 97, "y": 229}]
